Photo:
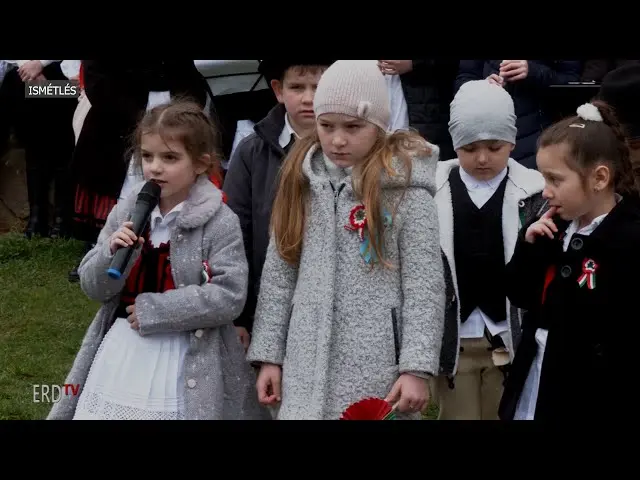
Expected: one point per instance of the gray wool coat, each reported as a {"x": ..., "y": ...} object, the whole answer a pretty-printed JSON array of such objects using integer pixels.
[
  {"x": 219, "y": 383},
  {"x": 522, "y": 200},
  {"x": 341, "y": 331}
]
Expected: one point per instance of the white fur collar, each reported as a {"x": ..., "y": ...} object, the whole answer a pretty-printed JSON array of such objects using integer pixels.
[{"x": 203, "y": 202}]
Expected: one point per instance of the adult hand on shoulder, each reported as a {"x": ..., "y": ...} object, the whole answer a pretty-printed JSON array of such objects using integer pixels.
[
  {"x": 514, "y": 70},
  {"x": 268, "y": 384},
  {"x": 395, "y": 67},
  {"x": 410, "y": 392},
  {"x": 544, "y": 226}
]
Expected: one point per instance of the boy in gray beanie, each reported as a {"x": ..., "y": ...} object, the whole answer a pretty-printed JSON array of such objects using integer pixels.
[{"x": 484, "y": 197}]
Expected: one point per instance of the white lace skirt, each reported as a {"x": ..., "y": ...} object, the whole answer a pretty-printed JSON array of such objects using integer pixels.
[{"x": 134, "y": 377}]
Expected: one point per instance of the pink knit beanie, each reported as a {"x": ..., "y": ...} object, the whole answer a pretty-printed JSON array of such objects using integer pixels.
[{"x": 356, "y": 88}]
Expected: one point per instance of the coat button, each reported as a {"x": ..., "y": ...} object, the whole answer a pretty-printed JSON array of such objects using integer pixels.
[
  {"x": 191, "y": 383},
  {"x": 565, "y": 271},
  {"x": 577, "y": 243},
  {"x": 199, "y": 333}
]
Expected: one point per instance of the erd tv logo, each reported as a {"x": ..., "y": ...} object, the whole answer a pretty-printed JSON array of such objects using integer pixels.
[{"x": 53, "y": 393}]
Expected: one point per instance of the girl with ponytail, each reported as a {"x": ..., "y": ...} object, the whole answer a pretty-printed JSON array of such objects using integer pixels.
[
  {"x": 351, "y": 302},
  {"x": 575, "y": 269}
]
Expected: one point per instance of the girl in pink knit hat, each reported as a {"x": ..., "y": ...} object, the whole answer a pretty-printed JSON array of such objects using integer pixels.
[{"x": 351, "y": 302}]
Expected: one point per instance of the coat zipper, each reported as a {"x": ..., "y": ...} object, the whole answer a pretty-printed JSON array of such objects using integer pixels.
[{"x": 336, "y": 194}]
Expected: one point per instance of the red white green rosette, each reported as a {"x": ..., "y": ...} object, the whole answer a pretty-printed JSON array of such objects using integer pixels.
[
  {"x": 588, "y": 277},
  {"x": 357, "y": 221},
  {"x": 207, "y": 273}
]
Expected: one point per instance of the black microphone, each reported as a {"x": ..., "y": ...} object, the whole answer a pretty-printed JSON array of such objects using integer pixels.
[{"x": 147, "y": 200}]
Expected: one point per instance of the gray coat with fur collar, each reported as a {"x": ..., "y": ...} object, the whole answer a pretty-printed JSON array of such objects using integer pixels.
[
  {"x": 522, "y": 200},
  {"x": 206, "y": 229},
  {"x": 341, "y": 331}
]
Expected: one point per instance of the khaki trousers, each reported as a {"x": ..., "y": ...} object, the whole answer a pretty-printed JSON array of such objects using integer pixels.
[{"x": 477, "y": 385}]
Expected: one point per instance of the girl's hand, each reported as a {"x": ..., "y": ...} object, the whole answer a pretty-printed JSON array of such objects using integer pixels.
[
  {"x": 268, "y": 384},
  {"x": 411, "y": 393},
  {"x": 544, "y": 226},
  {"x": 244, "y": 337},
  {"x": 124, "y": 237},
  {"x": 132, "y": 318}
]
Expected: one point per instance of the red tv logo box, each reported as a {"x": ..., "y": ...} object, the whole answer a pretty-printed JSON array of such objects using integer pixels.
[{"x": 53, "y": 393}]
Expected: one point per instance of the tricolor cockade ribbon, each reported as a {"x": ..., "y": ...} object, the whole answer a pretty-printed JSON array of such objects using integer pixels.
[
  {"x": 358, "y": 223},
  {"x": 207, "y": 273},
  {"x": 588, "y": 276}
]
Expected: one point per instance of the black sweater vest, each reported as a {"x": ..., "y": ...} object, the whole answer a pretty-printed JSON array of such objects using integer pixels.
[{"x": 478, "y": 251}]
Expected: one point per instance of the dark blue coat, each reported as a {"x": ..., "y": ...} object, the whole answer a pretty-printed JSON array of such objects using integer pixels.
[{"x": 528, "y": 97}]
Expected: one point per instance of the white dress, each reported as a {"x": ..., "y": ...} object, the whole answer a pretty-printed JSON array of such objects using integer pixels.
[{"x": 134, "y": 377}]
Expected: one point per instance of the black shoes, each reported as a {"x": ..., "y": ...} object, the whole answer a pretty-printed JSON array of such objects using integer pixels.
[{"x": 37, "y": 225}]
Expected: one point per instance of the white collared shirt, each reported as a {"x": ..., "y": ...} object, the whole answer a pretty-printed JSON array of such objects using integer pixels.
[
  {"x": 480, "y": 192},
  {"x": 161, "y": 227},
  {"x": 287, "y": 132},
  {"x": 586, "y": 230}
]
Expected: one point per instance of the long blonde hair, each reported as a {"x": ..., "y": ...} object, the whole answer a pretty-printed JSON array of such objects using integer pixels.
[{"x": 288, "y": 217}]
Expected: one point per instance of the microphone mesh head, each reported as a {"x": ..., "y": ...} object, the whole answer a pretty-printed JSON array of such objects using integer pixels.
[{"x": 152, "y": 189}]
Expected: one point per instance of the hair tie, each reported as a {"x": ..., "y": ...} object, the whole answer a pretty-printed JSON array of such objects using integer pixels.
[{"x": 590, "y": 112}]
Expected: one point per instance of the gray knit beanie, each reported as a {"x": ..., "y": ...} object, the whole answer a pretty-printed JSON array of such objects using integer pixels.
[
  {"x": 482, "y": 111},
  {"x": 356, "y": 88}
]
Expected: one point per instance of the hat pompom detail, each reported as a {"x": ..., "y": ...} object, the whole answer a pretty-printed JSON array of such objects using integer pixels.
[
  {"x": 363, "y": 108},
  {"x": 590, "y": 112}
]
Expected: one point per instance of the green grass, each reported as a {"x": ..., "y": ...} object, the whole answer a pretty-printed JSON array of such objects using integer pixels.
[{"x": 43, "y": 318}]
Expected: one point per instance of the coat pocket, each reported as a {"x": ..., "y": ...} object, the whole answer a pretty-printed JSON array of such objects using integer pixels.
[{"x": 396, "y": 334}]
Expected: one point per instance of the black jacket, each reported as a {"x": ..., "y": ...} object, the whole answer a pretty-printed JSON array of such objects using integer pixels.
[
  {"x": 529, "y": 97},
  {"x": 594, "y": 70},
  {"x": 118, "y": 91},
  {"x": 428, "y": 91},
  {"x": 587, "y": 361},
  {"x": 250, "y": 185}
]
